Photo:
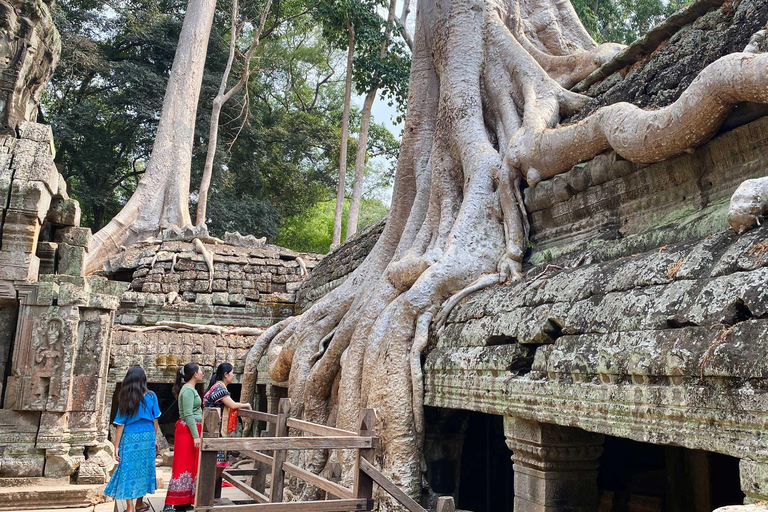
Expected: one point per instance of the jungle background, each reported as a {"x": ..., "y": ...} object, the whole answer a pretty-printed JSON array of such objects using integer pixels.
[{"x": 277, "y": 157}]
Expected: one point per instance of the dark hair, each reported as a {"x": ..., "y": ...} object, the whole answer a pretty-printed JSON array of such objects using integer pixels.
[
  {"x": 132, "y": 391},
  {"x": 184, "y": 374},
  {"x": 221, "y": 370}
]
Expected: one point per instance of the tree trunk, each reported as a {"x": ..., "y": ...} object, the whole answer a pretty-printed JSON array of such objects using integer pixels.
[
  {"x": 218, "y": 102},
  {"x": 162, "y": 196},
  {"x": 360, "y": 158},
  {"x": 337, "y": 213},
  {"x": 486, "y": 100},
  {"x": 362, "y": 139}
]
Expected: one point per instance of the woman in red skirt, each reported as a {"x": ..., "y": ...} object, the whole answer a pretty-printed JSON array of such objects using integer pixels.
[{"x": 186, "y": 446}]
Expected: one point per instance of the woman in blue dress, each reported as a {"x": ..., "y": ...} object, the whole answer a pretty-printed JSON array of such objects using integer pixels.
[{"x": 135, "y": 446}]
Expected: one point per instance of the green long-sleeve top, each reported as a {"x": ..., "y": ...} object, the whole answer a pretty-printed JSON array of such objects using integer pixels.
[{"x": 190, "y": 409}]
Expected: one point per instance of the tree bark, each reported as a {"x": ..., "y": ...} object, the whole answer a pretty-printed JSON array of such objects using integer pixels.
[
  {"x": 360, "y": 158},
  {"x": 221, "y": 98},
  {"x": 162, "y": 195},
  {"x": 340, "y": 191},
  {"x": 362, "y": 139},
  {"x": 485, "y": 103}
]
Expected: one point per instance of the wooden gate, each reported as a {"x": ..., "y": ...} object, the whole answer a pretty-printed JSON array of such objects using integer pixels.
[{"x": 269, "y": 456}]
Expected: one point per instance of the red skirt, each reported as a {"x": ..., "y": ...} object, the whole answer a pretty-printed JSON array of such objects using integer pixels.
[{"x": 181, "y": 488}]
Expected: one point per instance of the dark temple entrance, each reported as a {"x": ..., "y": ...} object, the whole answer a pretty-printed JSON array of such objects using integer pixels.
[{"x": 641, "y": 477}]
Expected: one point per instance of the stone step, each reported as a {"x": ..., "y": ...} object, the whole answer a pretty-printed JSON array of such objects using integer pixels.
[
  {"x": 33, "y": 481},
  {"x": 51, "y": 496}
]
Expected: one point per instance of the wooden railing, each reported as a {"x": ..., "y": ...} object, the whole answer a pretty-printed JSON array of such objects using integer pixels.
[{"x": 269, "y": 457}]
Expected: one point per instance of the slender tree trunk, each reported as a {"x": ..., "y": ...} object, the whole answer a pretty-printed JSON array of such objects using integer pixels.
[
  {"x": 360, "y": 158},
  {"x": 161, "y": 198},
  {"x": 337, "y": 214},
  {"x": 218, "y": 102},
  {"x": 362, "y": 139}
]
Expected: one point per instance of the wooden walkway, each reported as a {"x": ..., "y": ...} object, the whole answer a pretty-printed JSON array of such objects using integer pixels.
[{"x": 268, "y": 455}]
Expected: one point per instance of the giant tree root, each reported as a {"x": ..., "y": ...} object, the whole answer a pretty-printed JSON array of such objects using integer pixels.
[{"x": 482, "y": 114}]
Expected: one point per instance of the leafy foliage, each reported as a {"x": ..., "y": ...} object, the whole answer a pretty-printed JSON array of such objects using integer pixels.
[
  {"x": 312, "y": 230},
  {"x": 278, "y": 144},
  {"x": 623, "y": 21}
]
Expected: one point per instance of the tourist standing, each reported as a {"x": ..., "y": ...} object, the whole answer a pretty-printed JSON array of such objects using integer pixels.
[
  {"x": 135, "y": 445},
  {"x": 186, "y": 445},
  {"x": 218, "y": 396}
]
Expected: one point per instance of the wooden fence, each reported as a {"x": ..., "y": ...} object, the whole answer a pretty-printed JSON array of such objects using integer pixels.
[{"x": 269, "y": 456}]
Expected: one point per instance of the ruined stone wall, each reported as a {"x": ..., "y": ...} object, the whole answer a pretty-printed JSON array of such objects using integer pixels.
[
  {"x": 253, "y": 286},
  {"x": 337, "y": 265},
  {"x": 55, "y": 323}
]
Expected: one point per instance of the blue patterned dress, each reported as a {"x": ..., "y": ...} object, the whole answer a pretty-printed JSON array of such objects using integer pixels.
[{"x": 135, "y": 474}]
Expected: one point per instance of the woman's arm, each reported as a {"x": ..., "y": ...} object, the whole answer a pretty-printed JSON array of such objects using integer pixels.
[
  {"x": 157, "y": 429},
  {"x": 118, "y": 436},
  {"x": 227, "y": 400}
]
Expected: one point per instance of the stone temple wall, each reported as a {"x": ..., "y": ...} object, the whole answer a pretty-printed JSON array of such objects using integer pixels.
[
  {"x": 55, "y": 324},
  {"x": 253, "y": 286}
]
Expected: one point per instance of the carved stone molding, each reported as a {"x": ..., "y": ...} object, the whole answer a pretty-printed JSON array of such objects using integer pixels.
[{"x": 555, "y": 467}]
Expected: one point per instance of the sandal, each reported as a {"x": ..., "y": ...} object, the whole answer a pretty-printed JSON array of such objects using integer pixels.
[{"x": 144, "y": 508}]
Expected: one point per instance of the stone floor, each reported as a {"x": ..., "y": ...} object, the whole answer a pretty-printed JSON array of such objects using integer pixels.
[{"x": 156, "y": 500}]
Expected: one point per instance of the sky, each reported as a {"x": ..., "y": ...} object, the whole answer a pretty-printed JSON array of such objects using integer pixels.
[{"x": 382, "y": 113}]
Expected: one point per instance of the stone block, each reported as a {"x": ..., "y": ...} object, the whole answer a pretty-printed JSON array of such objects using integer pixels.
[
  {"x": 189, "y": 296},
  {"x": 76, "y": 236},
  {"x": 235, "y": 287},
  {"x": 61, "y": 190},
  {"x": 171, "y": 287},
  {"x": 72, "y": 295},
  {"x": 251, "y": 294},
  {"x": 71, "y": 260},
  {"x": 36, "y": 132},
  {"x": 754, "y": 480},
  {"x": 237, "y": 299},
  {"x": 20, "y": 231},
  {"x": 104, "y": 286},
  {"x": 30, "y": 196},
  {"x": 204, "y": 299},
  {"x": 32, "y": 161},
  {"x": 64, "y": 212},
  {"x": 219, "y": 285},
  {"x": 151, "y": 287},
  {"x": 16, "y": 266},
  {"x": 46, "y": 251},
  {"x": 31, "y": 465},
  {"x": 220, "y": 298},
  {"x": 200, "y": 286}
]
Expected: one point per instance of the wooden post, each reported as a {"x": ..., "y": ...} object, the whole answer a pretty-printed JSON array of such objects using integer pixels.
[
  {"x": 363, "y": 486},
  {"x": 445, "y": 504},
  {"x": 278, "y": 475},
  {"x": 206, "y": 469},
  {"x": 333, "y": 471},
  {"x": 259, "y": 480}
]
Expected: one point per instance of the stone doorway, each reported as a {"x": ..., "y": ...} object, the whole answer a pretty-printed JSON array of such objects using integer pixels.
[
  {"x": 466, "y": 456},
  {"x": 485, "y": 479},
  {"x": 641, "y": 477}
]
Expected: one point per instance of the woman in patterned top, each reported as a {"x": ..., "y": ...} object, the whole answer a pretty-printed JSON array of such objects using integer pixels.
[
  {"x": 218, "y": 396},
  {"x": 135, "y": 446}
]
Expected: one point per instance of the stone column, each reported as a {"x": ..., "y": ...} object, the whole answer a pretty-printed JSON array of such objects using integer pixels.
[
  {"x": 555, "y": 467},
  {"x": 754, "y": 481}
]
